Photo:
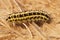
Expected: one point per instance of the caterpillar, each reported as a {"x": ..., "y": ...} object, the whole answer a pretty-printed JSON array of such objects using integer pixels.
[{"x": 29, "y": 16}]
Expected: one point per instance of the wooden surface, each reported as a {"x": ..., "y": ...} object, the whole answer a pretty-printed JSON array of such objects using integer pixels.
[{"x": 46, "y": 32}]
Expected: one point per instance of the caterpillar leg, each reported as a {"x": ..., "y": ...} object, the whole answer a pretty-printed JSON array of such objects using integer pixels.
[
  {"x": 39, "y": 22},
  {"x": 18, "y": 23}
]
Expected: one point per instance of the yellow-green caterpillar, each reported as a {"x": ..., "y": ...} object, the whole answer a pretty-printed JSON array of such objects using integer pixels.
[{"x": 29, "y": 16}]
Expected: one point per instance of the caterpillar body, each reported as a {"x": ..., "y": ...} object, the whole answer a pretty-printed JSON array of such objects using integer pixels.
[{"x": 29, "y": 16}]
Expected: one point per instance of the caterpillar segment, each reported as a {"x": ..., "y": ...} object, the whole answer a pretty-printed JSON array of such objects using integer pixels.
[{"x": 29, "y": 16}]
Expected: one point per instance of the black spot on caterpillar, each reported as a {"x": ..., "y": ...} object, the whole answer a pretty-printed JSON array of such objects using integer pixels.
[{"x": 29, "y": 16}]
